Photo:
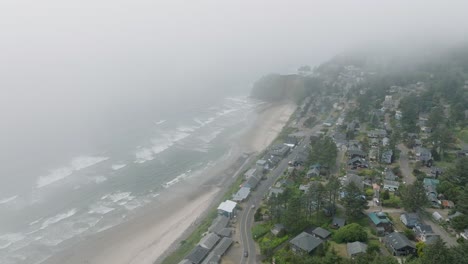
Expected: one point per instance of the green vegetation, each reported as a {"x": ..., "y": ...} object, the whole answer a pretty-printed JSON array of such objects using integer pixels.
[{"x": 350, "y": 233}]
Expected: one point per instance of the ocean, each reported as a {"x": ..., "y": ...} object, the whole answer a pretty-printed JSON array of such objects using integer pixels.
[{"x": 84, "y": 192}]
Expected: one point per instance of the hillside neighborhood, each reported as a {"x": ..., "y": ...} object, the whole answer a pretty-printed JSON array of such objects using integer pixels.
[{"x": 370, "y": 169}]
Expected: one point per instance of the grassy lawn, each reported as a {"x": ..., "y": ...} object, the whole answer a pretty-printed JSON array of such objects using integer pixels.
[
  {"x": 463, "y": 135},
  {"x": 397, "y": 222},
  {"x": 340, "y": 249}
]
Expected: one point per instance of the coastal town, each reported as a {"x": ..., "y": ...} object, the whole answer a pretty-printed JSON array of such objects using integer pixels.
[{"x": 359, "y": 174}]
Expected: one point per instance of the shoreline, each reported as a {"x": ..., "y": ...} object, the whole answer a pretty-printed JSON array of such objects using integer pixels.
[{"x": 151, "y": 235}]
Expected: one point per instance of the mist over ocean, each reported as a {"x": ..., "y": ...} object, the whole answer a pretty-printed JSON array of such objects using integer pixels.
[{"x": 64, "y": 194}]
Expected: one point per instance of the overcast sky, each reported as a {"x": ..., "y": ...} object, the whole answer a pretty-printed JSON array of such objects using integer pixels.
[{"x": 71, "y": 58}]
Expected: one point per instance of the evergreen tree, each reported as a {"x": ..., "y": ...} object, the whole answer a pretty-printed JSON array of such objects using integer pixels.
[{"x": 354, "y": 201}]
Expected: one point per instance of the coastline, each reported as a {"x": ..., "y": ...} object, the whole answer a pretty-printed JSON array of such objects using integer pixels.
[{"x": 157, "y": 230}]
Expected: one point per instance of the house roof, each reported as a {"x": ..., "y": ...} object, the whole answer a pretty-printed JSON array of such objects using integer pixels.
[
  {"x": 321, "y": 232},
  {"x": 209, "y": 241},
  {"x": 276, "y": 191},
  {"x": 389, "y": 175},
  {"x": 338, "y": 221},
  {"x": 251, "y": 182},
  {"x": 379, "y": 218},
  {"x": 422, "y": 229},
  {"x": 277, "y": 228},
  {"x": 242, "y": 194},
  {"x": 437, "y": 216},
  {"x": 218, "y": 224},
  {"x": 356, "y": 248},
  {"x": 398, "y": 240},
  {"x": 197, "y": 254},
  {"x": 227, "y": 206},
  {"x": 212, "y": 259},
  {"x": 411, "y": 218},
  {"x": 306, "y": 242},
  {"x": 222, "y": 246},
  {"x": 391, "y": 184},
  {"x": 429, "y": 181},
  {"x": 250, "y": 173},
  {"x": 185, "y": 261},
  {"x": 454, "y": 215}
]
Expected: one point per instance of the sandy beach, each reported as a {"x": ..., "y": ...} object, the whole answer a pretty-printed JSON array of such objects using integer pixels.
[{"x": 151, "y": 232}]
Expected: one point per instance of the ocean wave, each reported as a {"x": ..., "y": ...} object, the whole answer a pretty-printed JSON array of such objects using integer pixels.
[
  {"x": 187, "y": 128},
  {"x": 58, "y": 218},
  {"x": 58, "y": 233},
  {"x": 99, "y": 179},
  {"x": 9, "y": 199},
  {"x": 76, "y": 164},
  {"x": 119, "y": 196},
  {"x": 210, "y": 137},
  {"x": 118, "y": 166},
  {"x": 144, "y": 155},
  {"x": 160, "y": 122},
  {"x": 7, "y": 240},
  {"x": 159, "y": 145},
  {"x": 100, "y": 209},
  {"x": 176, "y": 179}
]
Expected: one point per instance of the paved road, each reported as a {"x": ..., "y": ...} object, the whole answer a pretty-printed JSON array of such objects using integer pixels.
[
  {"x": 246, "y": 216},
  {"x": 408, "y": 176}
]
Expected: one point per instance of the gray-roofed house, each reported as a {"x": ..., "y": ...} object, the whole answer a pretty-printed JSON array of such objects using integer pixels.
[
  {"x": 409, "y": 219},
  {"x": 250, "y": 173},
  {"x": 276, "y": 191},
  {"x": 358, "y": 162},
  {"x": 279, "y": 150},
  {"x": 391, "y": 185},
  {"x": 314, "y": 171},
  {"x": 222, "y": 246},
  {"x": 212, "y": 259},
  {"x": 227, "y": 208},
  {"x": 356, "y": 248},
  {"x": 352, "y": 153},
  {"x": 251, "y": 182},
  {"x": 387, "y": 157},
  {"x": 423, "y": 154},
  {"x": 357, "y": 180},
  {"x": 389, "y": 175},
  {"x": 241, "y": 195},
  {"x": 305, "y": 243},
  {"x": 423, "y": 232},
  {"x": 399, "y": 244},
  {"x": 218, "y": 224},
  {"x": 278, "y": 230},
  {"x": 197, "y": 254},
  {"x": 209, "y": 240},
  {"x": 261, "y": 166},
  {"x": 338, "y": 222},
  {"x": 321, "y": 233}
]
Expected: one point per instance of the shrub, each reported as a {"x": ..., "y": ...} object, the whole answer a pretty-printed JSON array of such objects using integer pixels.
[
  {"x": 350, "y": 233},
  {"x": 260, "y": 230}
]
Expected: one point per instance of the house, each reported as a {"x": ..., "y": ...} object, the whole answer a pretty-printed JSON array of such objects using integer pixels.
[
  {"x": 381, "y": 222},
  {"x": 357, "y": 180},
  {"x": 250, "y": 173},
  {"x": 391, "y": 185},
  {"x": 352, "y": 153},
  {"x": 251, "y": 182},
  {"x": 314, "y": 171},
  {"x": 209, "y": 241},
  {"x": 305, "y": 243},
  {"x": 212, "y": 259},
  {"x": 373, "y": 154},
  {"x": 261, "y": 165},
  {"x": 241, "y": 195},
  {"x": 447, "y": 204},
  {"x": 464, "y": 234},
  {"x": 377, "y": 133},
  {"x": 389, "y": 175},
  {"x": 423, "y": 232},
  {"x": 423, "y": 154},
  {"x": 275, "y": 191},
  {"x": 358, "y": 163},
  {"x": 409, "y": 219},
  {"x": 278, "y": 230},
  {"x": 356, "y": 248},
  {"x": 437, "y": 216},
  {"x": 291, "y": 141},
  {"x": 227, "y": 208},
  {"x": 399, "y": 244},
  {"x": 436, "y": 172},
  {"x": 279, "y": 150},
  {"x": 304, "y": 187},
  {"x": 321, "y": 233},
  {"x": 338, "y": 222},
  {"x": 274, "y": 160},
  {"x": 387, "y": 157},
  {"x": 219, "y": 224},
  {"x": 222, "y": 247},
  {"x": 197, "y": 254},
  {"x": 385, "y": 141},
  {"x": 185, "y": 261}
]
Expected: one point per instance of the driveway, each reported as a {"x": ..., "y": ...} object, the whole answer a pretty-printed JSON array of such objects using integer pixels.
[{"x": 406, "y": 171}]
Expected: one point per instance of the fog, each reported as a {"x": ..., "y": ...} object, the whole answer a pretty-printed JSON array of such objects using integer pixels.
[{"x": 76, "y": 70}]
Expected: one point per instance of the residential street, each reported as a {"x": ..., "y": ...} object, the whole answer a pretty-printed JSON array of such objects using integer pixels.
[{"x": 408, "y": 176}]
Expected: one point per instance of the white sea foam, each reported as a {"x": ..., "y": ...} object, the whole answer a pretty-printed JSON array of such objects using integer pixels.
[
  {"x": 204, "y": 123},
  {"x": 160, "y": 122},
  {"x": 68, "y": 229},
  {"x": 7, "y": 240},
  {"x": 35, "y": 221},
  {"x": 58, "y": 218},
  {"x": 76, "y": 164},
  {"x": 9, "y": 199},
  {"x": 226, "y": 111},
  {"x": 118, "y": 166},
  {"x": 187, "y": 128},
  {"x": 176, "y": 179},
  {"x": 144, "y": 155},
  {"x": 119, "y": 196},
  {"x": 99, "y": 179},
  {"x": 100, "y": 209}
]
